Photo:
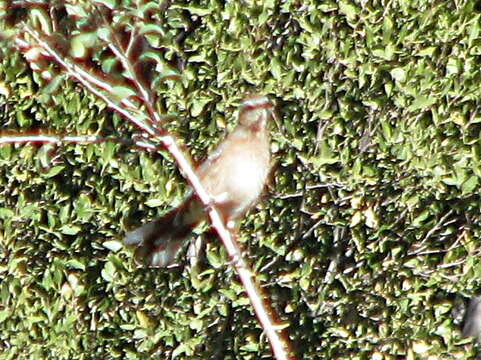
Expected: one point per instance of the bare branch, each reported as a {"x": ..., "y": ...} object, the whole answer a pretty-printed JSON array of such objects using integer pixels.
[{"x": 70, "y": 139}]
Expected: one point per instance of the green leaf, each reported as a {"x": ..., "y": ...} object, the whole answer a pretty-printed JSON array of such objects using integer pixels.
[
  {"x": 422, "y": 102},
  {"x": 76, "y": 264},
  {"x": 348, "y": 9},
  {"x": 80, "y": 44},
  {"x": 152, "y": 29},
  {"x": 6, "y": 213},
  {"x": 398, "y": 74},
  {"x": 109, "y": 272},
  {"x": 276, "y": 68},
  {"x": 470, "y": 185},
  {"x": 54, "y": 171},
  {"x": 70, "y": 229},
  {"x": 109, "y": 64},
  {"x": 113, "y": 245},
  {"x": 122, "y": 92},
  {"x": 153, "y": 203}
]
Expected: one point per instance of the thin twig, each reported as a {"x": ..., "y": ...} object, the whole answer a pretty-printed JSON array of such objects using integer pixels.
[
  {"x": 339, "y": 252},
  {"x": 70, "y": 139},
  {"x": 309, "y": 187},
  {"x": 436, "y": 227},
  {"x": 89, "y": 80}
]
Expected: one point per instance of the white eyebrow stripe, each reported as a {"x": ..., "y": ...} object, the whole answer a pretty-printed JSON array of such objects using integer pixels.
[{"x": 256, "y": 102}]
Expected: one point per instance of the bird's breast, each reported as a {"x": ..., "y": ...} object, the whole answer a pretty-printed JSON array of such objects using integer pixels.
[{"x": 237, "y": 177}]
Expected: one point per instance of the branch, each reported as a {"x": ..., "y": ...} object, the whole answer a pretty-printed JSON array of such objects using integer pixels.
[{"x": 7, "y": 138}]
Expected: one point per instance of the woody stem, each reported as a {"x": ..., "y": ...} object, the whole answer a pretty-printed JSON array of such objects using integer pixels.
[{"x": 70, "y": 139}]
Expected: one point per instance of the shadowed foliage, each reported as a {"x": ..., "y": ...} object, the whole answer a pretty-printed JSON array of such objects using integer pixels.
[{"x": 368, "y": 238}]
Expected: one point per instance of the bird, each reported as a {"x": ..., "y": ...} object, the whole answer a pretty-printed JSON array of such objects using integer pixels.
[{"x": 234, "y": 175}]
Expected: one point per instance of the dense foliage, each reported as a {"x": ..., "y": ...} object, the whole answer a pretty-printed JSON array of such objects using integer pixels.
[{"x": 367, "y": 240}]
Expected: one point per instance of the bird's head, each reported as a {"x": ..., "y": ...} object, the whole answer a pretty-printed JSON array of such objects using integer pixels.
[{"x": 255, "y": 111}]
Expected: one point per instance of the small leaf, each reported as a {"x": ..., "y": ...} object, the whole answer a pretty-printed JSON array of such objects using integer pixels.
[
  {"x": 421, "y": 102},
  {"x": 108, "y": 272},
  {"x": 195, "y": 10},
  {"x": 70, "y": 229},
  {"x": 398, "y": 74},
  {"x": 276, "y": 68},
  {"x": 144, "y": 319},
  {"x": 112, "y": 245},
  {"x": 152, "y": 28},
  {"x": 80, "y": 43},
  {"x": 348, "y": 9},
  {"x": 76, "y": 264},
  {"x": 109, "y": 64},
  {"x": 169, "y": 75},
  {"x": 53, "y": 171},
  {"x": 198, "y": 105},
  {"x": 5, "y": 213},
  {"x": 41, "y": 17},
  {"x": 22, "y": 120},
  {"x": 4, "y": 89},
  {"x": 122, "y": 92},
  {"x": 372, "y": 219},
  {"x": 420, "y": 218},
  {"x": 356, "y": 219},
  {"x": 4, "y": 314},
  {"x": 469, "y": 185},
  {"x": 55, "y": 83},
  {"x": 428, "y": 52},
  {"x": 153, "y": 203}
]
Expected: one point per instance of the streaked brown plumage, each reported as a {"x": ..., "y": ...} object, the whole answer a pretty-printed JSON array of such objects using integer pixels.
[{"x": 234, "y": 175}]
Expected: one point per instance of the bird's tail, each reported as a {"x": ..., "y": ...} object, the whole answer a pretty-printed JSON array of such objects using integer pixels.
[{"x": 159, "y": 241}]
